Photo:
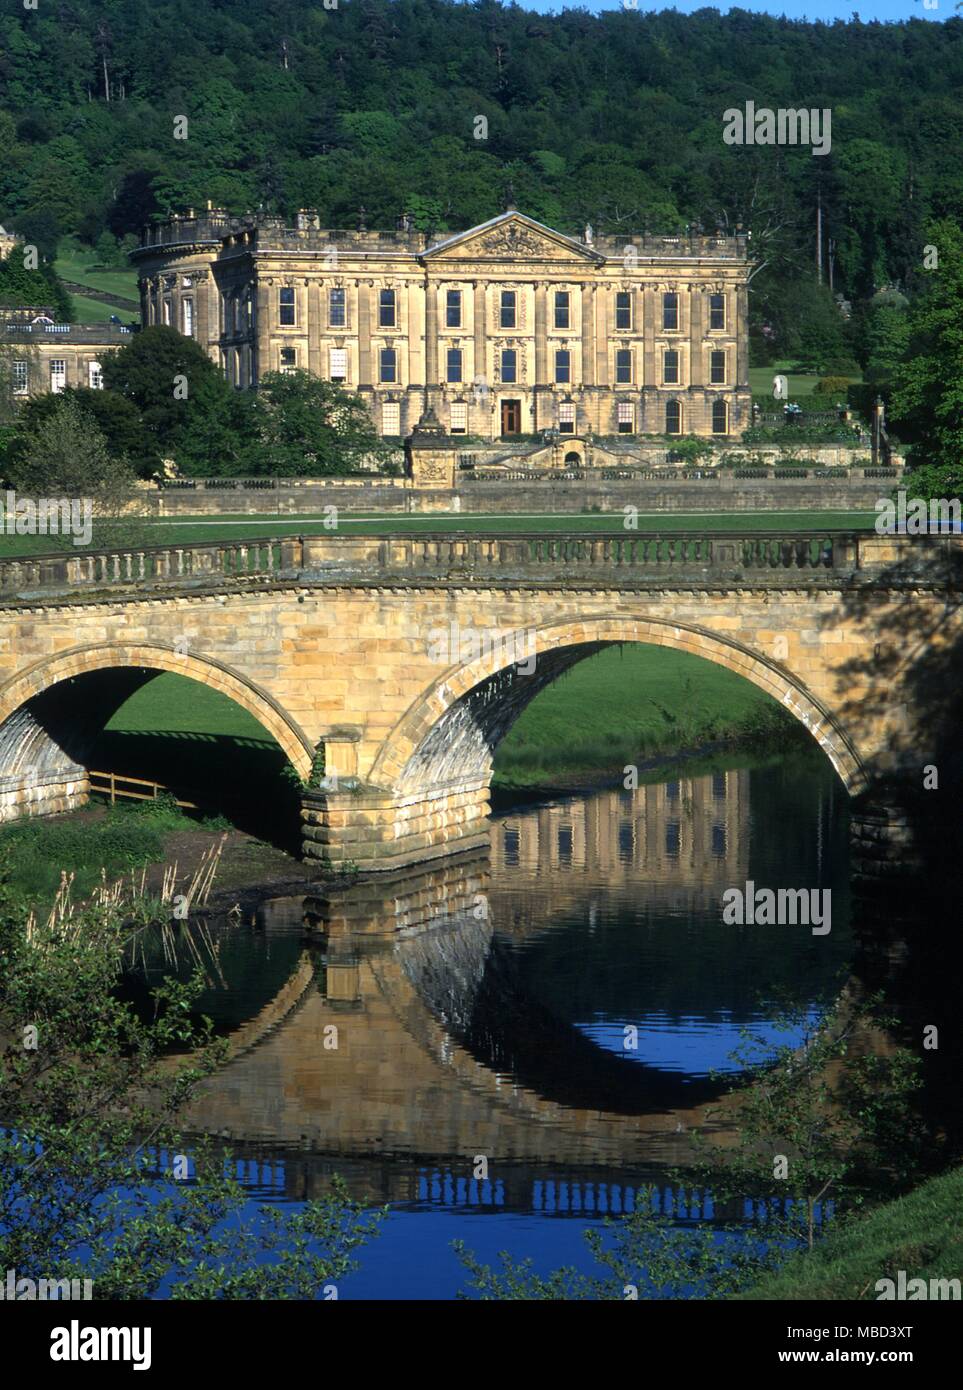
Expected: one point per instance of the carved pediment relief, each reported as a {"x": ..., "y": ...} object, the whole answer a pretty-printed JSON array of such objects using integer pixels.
[
  {"x": 514, "y": 241},
  {"x": 513, "y": 238}
]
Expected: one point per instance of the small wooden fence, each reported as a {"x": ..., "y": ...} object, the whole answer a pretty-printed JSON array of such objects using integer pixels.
[{"x": 114, "y": 785}]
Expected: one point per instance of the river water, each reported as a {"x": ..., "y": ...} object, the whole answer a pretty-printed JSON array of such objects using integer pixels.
[{"x": 564, "y": 1007}]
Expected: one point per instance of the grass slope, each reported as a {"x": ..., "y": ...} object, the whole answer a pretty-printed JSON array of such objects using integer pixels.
[
  {"x": 95, "y": 311},
  {"x": 126, "y": 837},
  {"x": 79, "y": 266},
  {"x": 626, "y": 704},
  {"x": 921, "y": 1233}
]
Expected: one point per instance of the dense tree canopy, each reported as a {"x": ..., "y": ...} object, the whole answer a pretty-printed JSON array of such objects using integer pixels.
[
  {"x": 614, "y": 118},
  {"x": 39, "y": 288},
  {"x": 300, "y": 424},
  {"x": 184, "y": 405},
  {"x": 927, "y": 402}
]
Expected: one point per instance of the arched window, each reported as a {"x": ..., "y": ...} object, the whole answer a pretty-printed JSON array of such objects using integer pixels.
[
  {"x": 673, "y": 417},
  {"x": 720, "y": 417}
]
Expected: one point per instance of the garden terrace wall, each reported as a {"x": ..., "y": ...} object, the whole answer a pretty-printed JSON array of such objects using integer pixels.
[{"x": 721, "y": 491}]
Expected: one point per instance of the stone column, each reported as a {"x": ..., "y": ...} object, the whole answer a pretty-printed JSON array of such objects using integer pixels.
[
  {"x": 543, "y": 375},
  {"x": 479, "y": 421},
  {"x": 314, "y": 329},
  {"x": 415, "y": 309},
  {"x": 541, "y": 335},
  {"x": 602, "y": 336},
  {"x": 364, "y": 334},
  {"x": 588, "y": 335},
  {"x": 742, "y": 336},
  {"x": 431, "y": 338},
  {"x": 650, "y": 308},
  {"x": 262, "y": 327},
  {"x": 696, "y": 369}
]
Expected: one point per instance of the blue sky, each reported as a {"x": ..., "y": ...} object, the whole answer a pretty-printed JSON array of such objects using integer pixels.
[{"x": 891, "y": 11}]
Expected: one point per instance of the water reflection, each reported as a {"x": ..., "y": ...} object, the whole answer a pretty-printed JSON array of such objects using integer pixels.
[{"x": 484, "y": 1006}]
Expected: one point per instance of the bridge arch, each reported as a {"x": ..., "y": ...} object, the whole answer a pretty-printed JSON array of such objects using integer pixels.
[
  {"x": 31, "y": 755},
  {"x": 453, "y": 728}
]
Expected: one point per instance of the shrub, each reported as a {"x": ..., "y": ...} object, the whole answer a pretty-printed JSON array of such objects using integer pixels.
[
  {"x": 842, "y": 366},
  {"x": 835, "y": 386}
]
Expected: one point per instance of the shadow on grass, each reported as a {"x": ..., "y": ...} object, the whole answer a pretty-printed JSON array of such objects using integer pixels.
[{"x": 239, "y": 778}]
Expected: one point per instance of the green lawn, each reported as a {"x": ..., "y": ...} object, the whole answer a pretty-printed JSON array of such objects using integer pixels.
[
  {"x": 801, "y": 384},
  {"x": 185, "y": 531},
  {"x": 626, "y": 704},
  {"x": 78, "y": 266},
  {"x": 175, "y": 704},
  {"x": 920, "y": 1233},
  {"x": 93, "y": 311}
]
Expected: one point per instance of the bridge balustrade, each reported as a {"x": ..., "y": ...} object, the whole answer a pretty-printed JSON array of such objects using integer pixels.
[
  {"x": 129, "y": 568},
  {"x": 613, "y": 556}
]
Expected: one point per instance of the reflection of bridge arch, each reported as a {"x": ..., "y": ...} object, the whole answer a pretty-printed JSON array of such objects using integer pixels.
[
  {"x": 407, "y": 1075},
  {"x": 46, "y": 720},
  {"x": 453, "y": 728},
  {"x": 400, "y": 1081}
]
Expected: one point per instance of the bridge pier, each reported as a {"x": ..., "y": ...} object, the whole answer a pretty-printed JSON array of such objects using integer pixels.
[
  {"x": 377, "y": 829},
  {"x": 884, "y": 841},
  {"x": 43, "y": 792},
  {"x": 37, "y": 776}
]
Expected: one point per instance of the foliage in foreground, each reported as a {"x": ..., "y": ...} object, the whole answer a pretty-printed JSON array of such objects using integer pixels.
[
  {"x": 90, "y": 1156},
  {"x": 829, "y": 1118},
  {"x": 920, "y": 1233},
  {"x": 646, "y": 1257},
  {"x": 125, "y": 837}
]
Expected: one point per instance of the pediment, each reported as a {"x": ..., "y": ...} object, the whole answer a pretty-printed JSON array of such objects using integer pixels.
[{"x": 511, "y": 237}]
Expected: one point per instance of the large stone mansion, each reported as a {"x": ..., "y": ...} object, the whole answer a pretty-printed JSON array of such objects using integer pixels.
[{"x": 507, "y": 329}]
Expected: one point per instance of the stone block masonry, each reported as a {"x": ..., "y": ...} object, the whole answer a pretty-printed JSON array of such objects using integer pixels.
[{"x": 336, "y": 649}]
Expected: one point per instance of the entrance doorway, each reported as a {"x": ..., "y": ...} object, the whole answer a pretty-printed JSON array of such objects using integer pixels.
[{"x": 511, "y": 417}]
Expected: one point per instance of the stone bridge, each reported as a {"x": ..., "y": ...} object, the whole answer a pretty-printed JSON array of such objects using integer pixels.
[{"x": 406, "y": 658}]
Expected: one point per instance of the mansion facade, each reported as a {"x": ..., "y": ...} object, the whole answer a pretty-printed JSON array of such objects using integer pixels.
[{"x": 508, "y": 329}]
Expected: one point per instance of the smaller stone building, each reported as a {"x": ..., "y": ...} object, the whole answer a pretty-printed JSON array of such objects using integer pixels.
[{"x": 44, "y": 355}]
